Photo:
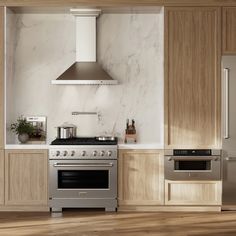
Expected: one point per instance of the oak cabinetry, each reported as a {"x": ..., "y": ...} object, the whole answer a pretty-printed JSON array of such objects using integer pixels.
[
  {"x": 229, "y": 30},
  {"x": 26, "y": 173},
  {"x": 140, "y": 177},
  {"x": 192, "y": 77},
  {"x": 193, "y": 192},
  {"x": 1, "y": 177},
  {"x": 2, "y": 78}
]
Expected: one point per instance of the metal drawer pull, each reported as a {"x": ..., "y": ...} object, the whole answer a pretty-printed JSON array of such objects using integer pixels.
[
  {"x": 230, "y": 158},
  {"x": 193, "y": 159},
  {"x": 82, "y": 165}
]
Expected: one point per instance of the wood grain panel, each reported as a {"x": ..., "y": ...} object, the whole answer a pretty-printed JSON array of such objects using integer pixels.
[
  {"x": 200, "y": 2},
  {"x": 117, "y": 3},
  {"x": 192, "y": 77},
  {"x": 141, "y": 178},
  {"x": 82, "y": 223},
  {"x": 26, "y": 173},
  {"x": 193, "y": 192},
  {"x": 229, "y": 30},
  {"x": 2, "y": 177},
  {"x": 2, "y": 126},
  {"x": 86, "y": 3}
]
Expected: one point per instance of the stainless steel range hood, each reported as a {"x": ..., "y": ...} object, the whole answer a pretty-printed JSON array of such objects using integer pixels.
[{"x": 85, "y": 71}]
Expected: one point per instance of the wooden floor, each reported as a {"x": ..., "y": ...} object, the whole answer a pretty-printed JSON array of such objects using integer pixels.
[{"x": 97, "y": 223}]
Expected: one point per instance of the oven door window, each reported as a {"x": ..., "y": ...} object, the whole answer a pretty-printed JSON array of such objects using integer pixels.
[
  {"x": 83, "y": 179},
  {"x": 192, "y": 165}
]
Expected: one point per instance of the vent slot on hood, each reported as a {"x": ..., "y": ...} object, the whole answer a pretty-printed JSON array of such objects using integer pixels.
[{"x": 85, "y": 71}]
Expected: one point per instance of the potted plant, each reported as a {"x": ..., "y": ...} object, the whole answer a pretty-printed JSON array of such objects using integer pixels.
[{"x": 23, "y": 129}]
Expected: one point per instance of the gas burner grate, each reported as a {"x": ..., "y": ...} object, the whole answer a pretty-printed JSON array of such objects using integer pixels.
[{"x": 84, "y": 141}]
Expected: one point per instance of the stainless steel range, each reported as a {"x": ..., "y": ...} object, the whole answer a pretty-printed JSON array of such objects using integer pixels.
[{"x": 83, "y": 173}]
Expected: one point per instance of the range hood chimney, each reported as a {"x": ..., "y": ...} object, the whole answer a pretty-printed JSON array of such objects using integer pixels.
[{"x": 85, "y": 71}]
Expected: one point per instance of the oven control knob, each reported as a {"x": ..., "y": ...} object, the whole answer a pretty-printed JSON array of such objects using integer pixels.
[
  {"x": 65, "y": 153},
  {"x": 109, "y": 153},
  {"x": 102, "y": 153},
  {"x": 94, "y": 153},
  {"x": 57, "y": 153},
  {"x": 83, "y": 153},
  {"x": 72, "y": 153}
]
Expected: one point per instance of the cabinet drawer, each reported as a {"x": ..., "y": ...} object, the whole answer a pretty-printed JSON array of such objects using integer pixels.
[{"x": 193, "y": 192}]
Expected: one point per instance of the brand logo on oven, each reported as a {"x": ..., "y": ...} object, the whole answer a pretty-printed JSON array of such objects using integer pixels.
[{"x": 81, "y": 194}]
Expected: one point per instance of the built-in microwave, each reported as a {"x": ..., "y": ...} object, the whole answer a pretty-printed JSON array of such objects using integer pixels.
[{"x": 192, "y": 164}]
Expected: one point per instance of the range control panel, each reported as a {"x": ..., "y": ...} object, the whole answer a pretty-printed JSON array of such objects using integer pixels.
[{"x": 99, "y": 152}]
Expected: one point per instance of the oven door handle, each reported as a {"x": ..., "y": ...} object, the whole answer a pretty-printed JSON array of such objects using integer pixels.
[
  {"x": 193, "y": 159},
  {"x": 83, "y": 165}
]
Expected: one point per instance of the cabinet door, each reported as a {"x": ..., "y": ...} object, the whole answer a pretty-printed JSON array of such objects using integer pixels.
[
  {"x": 26, "y": 173},
  {"x": 192, "y": 77},
  {"x": 229, "y": 30},
  {"x": 141, "y": 178},
  {"x": 1, "y": 177},
  {"x": 2, "y": 78},
  {"x": 193, "y": 192}
]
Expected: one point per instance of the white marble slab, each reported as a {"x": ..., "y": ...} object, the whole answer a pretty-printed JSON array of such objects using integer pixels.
[
  {"x": 141, "y": 146},
  {"x": 130, "y": 48},
  {"x": 27, "y": 146},
  {"x": 47, "y": 146}
]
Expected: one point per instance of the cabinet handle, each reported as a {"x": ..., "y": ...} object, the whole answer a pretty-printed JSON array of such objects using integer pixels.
[
  {"x": 226, "y": 105},
  {"x": 82, "y": 165}
]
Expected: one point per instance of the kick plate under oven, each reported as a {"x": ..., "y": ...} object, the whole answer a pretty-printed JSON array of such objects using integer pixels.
[{"x": 192, "y": 165}]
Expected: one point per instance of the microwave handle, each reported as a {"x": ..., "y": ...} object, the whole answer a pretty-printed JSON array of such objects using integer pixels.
[
  {"x": 193, "y": 159},
  {"x": 230, "y": 158}
]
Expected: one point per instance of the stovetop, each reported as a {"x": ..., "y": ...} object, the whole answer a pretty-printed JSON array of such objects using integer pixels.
[{"x": 84, "y": 141}]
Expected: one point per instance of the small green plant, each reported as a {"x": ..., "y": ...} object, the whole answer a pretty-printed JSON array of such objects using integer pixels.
[{"x": 22, "y": 126}]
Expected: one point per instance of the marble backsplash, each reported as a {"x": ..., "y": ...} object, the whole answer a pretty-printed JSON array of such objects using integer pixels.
[{"x": 130, "y": 49}]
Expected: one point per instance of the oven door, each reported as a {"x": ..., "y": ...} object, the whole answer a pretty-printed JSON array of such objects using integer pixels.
[
  {"x": 192, "y": 167},
  {"x": 83, "y": 179}
]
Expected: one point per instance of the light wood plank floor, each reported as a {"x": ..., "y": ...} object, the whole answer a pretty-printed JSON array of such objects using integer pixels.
[{"x": 97, "y": 223}]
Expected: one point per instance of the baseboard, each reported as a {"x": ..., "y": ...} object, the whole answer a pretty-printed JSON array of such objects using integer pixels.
[
  {"x": 228, "y": 207},
  {"x": 25, "y": 208},
  {"x": 171, "y": 208}
]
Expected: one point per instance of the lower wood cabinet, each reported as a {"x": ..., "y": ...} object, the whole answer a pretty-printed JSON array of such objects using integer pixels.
[
  {"x": 140, "y": 178},
  {"x": 193, "y": 192},
  {"x": 1, "y": 177},
  {"x": 26, "y": 178}
]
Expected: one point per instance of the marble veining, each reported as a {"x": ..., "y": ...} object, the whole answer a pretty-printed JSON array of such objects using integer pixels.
[{"x": 130, "y": 49}]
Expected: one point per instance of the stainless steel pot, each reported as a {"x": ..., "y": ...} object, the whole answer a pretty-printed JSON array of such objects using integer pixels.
[{"x": 66, "y": 131}]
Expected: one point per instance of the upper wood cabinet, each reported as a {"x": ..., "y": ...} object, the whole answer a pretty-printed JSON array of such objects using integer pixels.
[
  {"x": 229, "y": 30},
  {"x": 26, "y": 173},
  {"x": 192, "y": 77},
  {"x": 2, "y": 78},
  {"x": 141, "y": 177}
]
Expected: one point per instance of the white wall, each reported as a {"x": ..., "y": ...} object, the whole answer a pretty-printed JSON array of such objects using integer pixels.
[{"x": 130, "y": 48}]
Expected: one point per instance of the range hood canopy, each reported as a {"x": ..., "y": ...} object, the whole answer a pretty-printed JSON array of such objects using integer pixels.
[{"x": 85, "y": 71}]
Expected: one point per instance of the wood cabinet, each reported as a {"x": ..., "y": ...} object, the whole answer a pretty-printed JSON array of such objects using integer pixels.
[
  {"x": 193, "y": 192},
  {"x": 1, "y": 177},
  {"x": 192, "y": 77},
  {"x": 229, "y": 30},
  {"x": 140, "y": 177},
  {"x": 26, "y": 173},
  {"x": 2, "y": 126}
]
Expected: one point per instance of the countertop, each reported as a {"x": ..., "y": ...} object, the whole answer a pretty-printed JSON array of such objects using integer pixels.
[{"x": 120, "y": 146}]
